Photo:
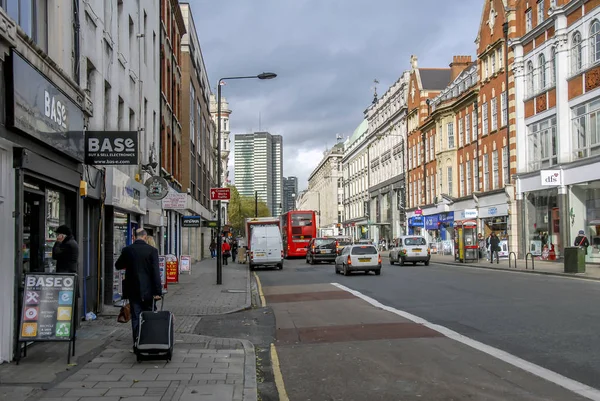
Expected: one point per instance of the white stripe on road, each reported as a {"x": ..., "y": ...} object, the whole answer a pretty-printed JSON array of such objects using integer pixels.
[{"x": 553, "y": 377}]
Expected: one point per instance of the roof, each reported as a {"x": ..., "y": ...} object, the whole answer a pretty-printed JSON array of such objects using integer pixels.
[
  {"x": 361, "y": 129},
  {"x": 435, "y": 78}
]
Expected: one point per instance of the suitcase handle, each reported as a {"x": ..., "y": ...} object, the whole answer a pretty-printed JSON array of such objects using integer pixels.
[{"x": 162, "y": 303}]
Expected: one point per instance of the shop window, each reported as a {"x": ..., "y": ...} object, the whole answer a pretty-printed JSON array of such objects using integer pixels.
[
  {"x": 586, "y": 130},
  {"x": 542, "y": 144},
  {"x": 543, "y": 222}
]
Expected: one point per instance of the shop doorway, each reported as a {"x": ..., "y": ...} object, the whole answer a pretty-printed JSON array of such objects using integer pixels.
[
  {"x": 34, "y": 228},
  {"x": 92, "y": 261}
]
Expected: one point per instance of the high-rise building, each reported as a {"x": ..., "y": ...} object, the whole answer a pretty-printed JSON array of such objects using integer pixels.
[
  {"x": 290, "y": 191},
  {"x": 258, "y": 166}
]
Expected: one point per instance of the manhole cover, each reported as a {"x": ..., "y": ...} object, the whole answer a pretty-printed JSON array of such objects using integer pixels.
[{"x": 234, "y": 291}]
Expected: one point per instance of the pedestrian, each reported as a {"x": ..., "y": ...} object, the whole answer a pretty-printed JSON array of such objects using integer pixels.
[
  {"x": 494, "y": 248},
  {"x": 65, "y": 251},
  {"x": 213, "y": 248},
  {"x": 234, "y": 249},
  {"x": 151, "y": 241},
  {"x": 582, "y": 241},
  {"x": 142, "y": 284},
  {"x": 225, "y": 251}
]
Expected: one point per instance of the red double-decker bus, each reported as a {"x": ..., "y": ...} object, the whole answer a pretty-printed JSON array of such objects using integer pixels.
[{"x": 298, "y": 227}]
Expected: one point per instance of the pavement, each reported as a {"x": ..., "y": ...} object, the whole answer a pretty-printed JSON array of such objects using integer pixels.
[
  {"x": 516, "y": 336},
  {"x": 203, "y": 368}
]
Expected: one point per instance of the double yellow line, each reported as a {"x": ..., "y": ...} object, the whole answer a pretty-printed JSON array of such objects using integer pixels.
[{"x": 274, "y": 357}]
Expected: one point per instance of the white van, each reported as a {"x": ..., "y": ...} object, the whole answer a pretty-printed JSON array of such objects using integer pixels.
[{"x": 266, "y": 247}]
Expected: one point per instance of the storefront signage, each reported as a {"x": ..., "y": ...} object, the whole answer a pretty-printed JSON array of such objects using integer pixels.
[
  {"x": 172, "y": 269},
  {"x": 42, "y": 110},
  {"x": 416, "y": 221},
  {"x": 419, "y": 212},
  {"x": 175, "y": 201},
  {"x": 446, "y": 218},
  {"x": 191, "y": 221},
  {"x": 470, "y": 213},
  {"x": 432, "y": 222},
  {"x": 493, "y": 211},
  {"x": 551, "y": 177},
  {"x": 210, "y": 223},
  {"x": 124, "y": 192},
  {"x": 111, "y": 148},
  {"x": 48, "y": 307},
  {"x": 157, "y": 187},
  {"x": 185, "y": 264}
]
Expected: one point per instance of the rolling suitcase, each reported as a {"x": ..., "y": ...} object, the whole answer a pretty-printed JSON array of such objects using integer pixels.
[{"x": 156, "y": 334}]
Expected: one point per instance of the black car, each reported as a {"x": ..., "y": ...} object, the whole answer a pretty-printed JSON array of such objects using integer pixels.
[{"x": 321, "y": 250}]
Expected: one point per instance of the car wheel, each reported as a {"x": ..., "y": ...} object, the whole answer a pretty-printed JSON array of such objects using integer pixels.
[
  {"x": 401, "y": 262},
  {"x": 427, "y": 263},
  {"x": 414, "y": 263},
  {"x": 251, "y": 267},
  {"x": 391, "y": 260},
  {"x": 336, "y": 269},
  {"x": 378, "y": 272},
  {"x": 312, "y": 261},
  {"x": 307, "y": 259},
  {"x": 280, "y": 266},
  {"x": 346, "y": 272}
]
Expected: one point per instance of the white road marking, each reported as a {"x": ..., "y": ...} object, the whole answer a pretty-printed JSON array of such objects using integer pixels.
[{"x": 546, "y": 374}]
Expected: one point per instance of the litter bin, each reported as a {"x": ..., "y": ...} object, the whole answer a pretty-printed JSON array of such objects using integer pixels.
[{"x": 574, "y": 259}]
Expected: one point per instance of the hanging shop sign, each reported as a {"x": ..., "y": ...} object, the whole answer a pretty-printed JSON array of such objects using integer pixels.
[
  {"x": 175, "y": 201},
  {"x": 111, "y": 148},
  {"x": 191, "y": 221},
  {"x": 157, "y": 187},
  {"x": 40, "y": 109},
  {"x": 48, "y": 307}
]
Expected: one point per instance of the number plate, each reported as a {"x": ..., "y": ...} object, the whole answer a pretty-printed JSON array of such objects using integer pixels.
[
  {"x": 417, "y": 250},
  {"x": 364, "y": 259},
  {"x": 324, "y": 250},
  {"x": 260, "y": 254}
]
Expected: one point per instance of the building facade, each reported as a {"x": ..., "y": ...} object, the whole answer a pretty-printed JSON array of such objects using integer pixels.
[
  {"x": 258, "y": 168},
  {"x": 386, "y": 120},
  {"x": 322, "y": 195},
  {"x": 198, "y": 158},
  {"x": 557, "y": 99},
  {"x": 290, "y": 192},
  {"x": 172, "y": 29}
]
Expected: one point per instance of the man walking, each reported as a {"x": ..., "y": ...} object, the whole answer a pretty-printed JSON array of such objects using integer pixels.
[
  {"x": 65, "y": 251},
  {"x": 494, "y": 248},
  {"x": 142, "y": 283}
]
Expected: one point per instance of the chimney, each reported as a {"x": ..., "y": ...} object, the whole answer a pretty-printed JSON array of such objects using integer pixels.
[{"x": 458, "y": 65}]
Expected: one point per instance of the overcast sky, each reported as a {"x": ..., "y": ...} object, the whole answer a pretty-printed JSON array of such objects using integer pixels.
[{"x": 326, "y": 54}]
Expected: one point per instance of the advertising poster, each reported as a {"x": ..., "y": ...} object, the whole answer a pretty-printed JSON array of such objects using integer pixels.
[
  {"x": 48, "y": 307},
  {"x": 162, "y": 266},
  {"x": 172, "y": 269},
  {"x": 185, "y": 264}
]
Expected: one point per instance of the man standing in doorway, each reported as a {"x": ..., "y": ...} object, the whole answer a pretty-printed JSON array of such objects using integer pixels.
[
  {"x": 142, "y": 284},
  {"x": 494, "y": 248},
  {"x": 65, "y": 251}
]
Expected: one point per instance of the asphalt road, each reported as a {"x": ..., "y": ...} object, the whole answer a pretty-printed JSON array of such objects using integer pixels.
[{"x": 551, "y": 321}]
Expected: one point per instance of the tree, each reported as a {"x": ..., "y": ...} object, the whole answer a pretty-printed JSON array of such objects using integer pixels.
[{"x": 242, "y": 207}]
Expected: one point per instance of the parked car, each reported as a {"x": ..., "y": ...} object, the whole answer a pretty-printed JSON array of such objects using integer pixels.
[
  {"x": 342, "y": 243},
  {"x": 364, "y": 258},
  {"x": 266, "y": 247},
  {"x": 411, "y": 248},
  {"x": 321, "y": 250}
]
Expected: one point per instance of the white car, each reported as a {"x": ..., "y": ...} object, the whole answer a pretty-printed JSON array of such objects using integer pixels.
[
  {"x": 411, "y": 248},
  {"x": 363, "y": 258}
]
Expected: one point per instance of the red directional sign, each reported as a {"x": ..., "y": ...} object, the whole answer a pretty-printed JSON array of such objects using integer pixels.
[{"x": 220, "y": 194}]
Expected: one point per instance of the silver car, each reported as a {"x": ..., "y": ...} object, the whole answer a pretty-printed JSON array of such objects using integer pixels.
[
  {"x": 363, "y": 258},
  {"x": 411, "y": 248}
]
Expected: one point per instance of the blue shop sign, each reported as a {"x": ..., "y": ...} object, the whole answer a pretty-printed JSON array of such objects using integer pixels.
[
  {"x": 416, "y": 221},
  {"x": 447, "y": 218},
  {"x": 432, "y": 222}
]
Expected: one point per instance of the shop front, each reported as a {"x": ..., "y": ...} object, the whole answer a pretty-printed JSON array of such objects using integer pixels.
[
  {"x": 416, "y": 225},
  {"x": 41, "y": 151},
  {"x": 124, "y": 214}
]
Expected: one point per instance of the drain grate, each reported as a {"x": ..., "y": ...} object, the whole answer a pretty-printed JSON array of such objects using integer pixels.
[{"x": 234, "y": 291}]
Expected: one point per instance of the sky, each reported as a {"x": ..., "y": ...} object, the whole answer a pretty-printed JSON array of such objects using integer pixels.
[{"x": 327, "y": 54}]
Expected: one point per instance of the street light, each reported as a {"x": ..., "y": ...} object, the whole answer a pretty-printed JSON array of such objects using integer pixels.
[{"x": 264, "y": 75}]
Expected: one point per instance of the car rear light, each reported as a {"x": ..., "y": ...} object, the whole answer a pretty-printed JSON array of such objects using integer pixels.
[
  {"x": 282, "y": 253},
  {"x": 251, "y": 255},
  {"x": 379, "y": 259},
  {"x": 349, "y": 261},
  {"x": 428, "y": 251}
]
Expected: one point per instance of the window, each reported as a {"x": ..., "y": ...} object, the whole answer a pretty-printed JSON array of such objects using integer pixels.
[
  {"x": 486, "y": 172},
  {"x": 145, "y": 37},
  {"x": 192, "y": 114},
  {"x": 542, "y": 63},
  {"x": 469, "y": 183},
  {"x": 460, "y": 132},
  {"x": 541, "y": 143},
  {"x": 449, "y": 181},
  {"x": 467, "y": 128},
  {"x": 495, "y": 170},
  {"x": 474, "y": 124},
  {"x": 485, "y": 68},
  {"x": 552, "y": 3},
  {"x": 31, "y": 16},
  {"x": 586, "y": 130},
  {"x": 461, "y": 175},
  {"x": 528, "y": 20},
  {"x": 505, "y": 165},
  {"x": 504, "y": 113},
  {"x": 529, "y": 78},
  {"x": 475, "y": 176},
  {"x": 493, "y": 57},
  {"x": 540, "y": 11},
  {"x": 595, "y": 41},
  {"x": 484, "y": 118},
  {"x": 494, "y": 105},
  {"x": 576, "y": 53},
  {"x": 431, "y": 147},
  {"x": 553, "y": 65},
  {"x": 500, "y": 58},
  {"x": 450, "y": 135}
]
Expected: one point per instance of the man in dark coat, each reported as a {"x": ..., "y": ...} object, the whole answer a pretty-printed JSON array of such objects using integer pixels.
[
  {"x": 494, "y": 248},
  {"x": 65, "y": 251},
  {"x": 142, "y": 283},
  {"x": 582, "y": 241}
]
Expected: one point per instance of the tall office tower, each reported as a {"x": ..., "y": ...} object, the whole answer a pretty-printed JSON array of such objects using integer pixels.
[
  {"x": 290, "y": 192},
  {"x": 258, "y": 166}
]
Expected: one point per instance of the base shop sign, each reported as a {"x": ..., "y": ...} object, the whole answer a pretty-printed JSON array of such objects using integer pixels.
[{"x": 48, "y": 307}]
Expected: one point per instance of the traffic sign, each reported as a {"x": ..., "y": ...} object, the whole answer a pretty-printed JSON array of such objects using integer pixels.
[{"x": 220, "y": 193}]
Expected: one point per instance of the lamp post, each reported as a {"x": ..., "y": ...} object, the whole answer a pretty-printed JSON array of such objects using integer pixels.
[{"x": 264, "y": 75}]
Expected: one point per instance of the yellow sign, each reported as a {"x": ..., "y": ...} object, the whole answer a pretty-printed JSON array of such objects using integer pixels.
[
  {"x": 64, "y": 313},
  {"x": 29, "y": 330}
]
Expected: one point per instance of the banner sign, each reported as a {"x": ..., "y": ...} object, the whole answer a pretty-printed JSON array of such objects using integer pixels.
[
  {"x": 104, "y": 148},
  {"x": 185, "y": 264},
  {"x": 172, "y": 269},
  {"x": 191, "y": 221},
  {"x": 48, "y": 307},
  {"x": 175, "y": 201}
]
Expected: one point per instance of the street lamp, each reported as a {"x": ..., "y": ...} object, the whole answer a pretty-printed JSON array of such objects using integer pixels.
[{"x": 264, "y": 75}]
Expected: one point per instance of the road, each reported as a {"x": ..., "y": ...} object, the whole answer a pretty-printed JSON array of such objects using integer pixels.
[{"x": 356, "y": 350}]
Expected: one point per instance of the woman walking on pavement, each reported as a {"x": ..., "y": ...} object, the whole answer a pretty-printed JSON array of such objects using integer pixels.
[{"x": 226, "y": 251}]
